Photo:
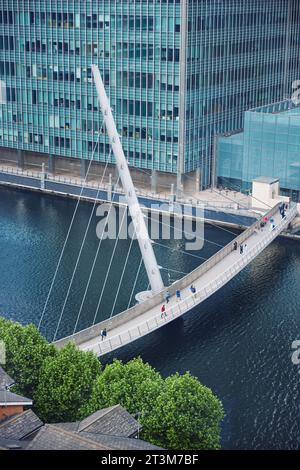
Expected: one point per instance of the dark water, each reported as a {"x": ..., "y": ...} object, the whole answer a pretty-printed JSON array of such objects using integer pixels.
[{"x": 238, "y": 342}]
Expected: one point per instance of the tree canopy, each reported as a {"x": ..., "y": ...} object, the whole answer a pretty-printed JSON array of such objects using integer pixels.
[
  {"x": 65, "y": 384},
  {"x": 185, "y": 415},
  {"x": 68, "y": 384},
  {"x": 26, "y": 351}
]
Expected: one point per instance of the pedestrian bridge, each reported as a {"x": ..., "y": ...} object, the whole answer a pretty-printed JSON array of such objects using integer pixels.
[{"x": 208, "y": 278}]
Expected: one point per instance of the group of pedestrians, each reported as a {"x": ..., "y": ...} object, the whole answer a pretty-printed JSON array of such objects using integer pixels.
[{"x": 178, "y": 298}]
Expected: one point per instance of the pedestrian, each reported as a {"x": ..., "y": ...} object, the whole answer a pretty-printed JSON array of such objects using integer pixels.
[
  {"x": 245, "y": 248},
  {"x": 163, "y": 311},
  {"x": 167, "y": 296},
  {"x": 178, "y": 295},
  {"x": 103, "y": 333},
  {"x": 281, "y": 208},
  {"x": 193, "y": 289},
  {"x": 286, "y": 206},
  {"x": 241, "y": 249},
  {"x": 235, "y": 245}
]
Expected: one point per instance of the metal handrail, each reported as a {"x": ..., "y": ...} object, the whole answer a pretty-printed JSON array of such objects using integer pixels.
[{"x": 213, "y": 285}]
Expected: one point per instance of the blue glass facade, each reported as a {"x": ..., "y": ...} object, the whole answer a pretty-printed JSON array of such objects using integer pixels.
[
  {"x": 178, "y": 72},
  {"x": 269, "y": 146}
]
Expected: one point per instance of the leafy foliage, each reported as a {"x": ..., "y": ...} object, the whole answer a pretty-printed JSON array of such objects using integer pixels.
[
  {"x": 66, "y": 383},
  {"x": 134, "y": 385},
  {"x": 26, "y": 351},
  {"x": 185, "y": 415}
]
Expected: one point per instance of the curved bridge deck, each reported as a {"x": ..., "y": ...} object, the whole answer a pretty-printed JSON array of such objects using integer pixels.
[{"x": 209, "y": 277}]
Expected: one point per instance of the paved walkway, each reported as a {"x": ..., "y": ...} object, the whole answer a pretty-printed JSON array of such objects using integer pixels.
[
  {"x": 206, "y": 284},
  {"x": 219, "y": 199}
]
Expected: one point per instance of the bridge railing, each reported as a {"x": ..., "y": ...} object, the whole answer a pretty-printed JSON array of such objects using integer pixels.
[
  {"x": 130, "y": 314},
  {"x": 162, "y": 196},
  {"x": 192, "y": 300}
]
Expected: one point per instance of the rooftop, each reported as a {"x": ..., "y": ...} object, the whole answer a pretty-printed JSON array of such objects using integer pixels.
[
  {"x": 5, "y": 380},
  {"x": 266, "y": 180},
  {"x": 20, "y": 426},
  {"x": 8, "y": 398}
]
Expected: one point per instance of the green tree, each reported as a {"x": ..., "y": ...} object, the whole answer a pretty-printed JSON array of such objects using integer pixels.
[
  {"x": 135, "y": 385},
  {"x": 185, "y": 415},
  {"x": 66, "y": 382},
  {"x": 26, "y": 350}
]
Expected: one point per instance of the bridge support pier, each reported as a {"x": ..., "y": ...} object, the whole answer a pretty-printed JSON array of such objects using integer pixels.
[
  {"x": 154, "y": 181},
  {"x": 20, "y": 159},
  {"x": 84, "y": 166},
  {"x": 51, "y": 164}
]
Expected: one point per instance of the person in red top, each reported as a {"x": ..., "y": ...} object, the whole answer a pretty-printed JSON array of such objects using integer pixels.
[{"x": 163, "y": 311}]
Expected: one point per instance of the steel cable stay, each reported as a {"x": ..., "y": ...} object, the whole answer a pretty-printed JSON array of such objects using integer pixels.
[
  {"x": 94, "y": 261},
  {"x": 79, "y": 253},
  {"x": 122, "y": 275},
  {"x": 178, "y": 250},
  {"x": 68, "y": 234},
  {"x": 135, "y": 282},
  {"x": 109, "y": 266},
  {"x": 192, "y": 234}
]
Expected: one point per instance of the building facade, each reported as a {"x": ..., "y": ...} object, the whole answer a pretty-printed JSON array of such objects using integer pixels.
[
  {"x": 178, "y": 73},
  {"x": 268, "y": 147}
]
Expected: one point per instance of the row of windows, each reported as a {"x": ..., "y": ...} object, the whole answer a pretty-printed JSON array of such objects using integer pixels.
[
  {"x": 7, "y": 43},
  {"x": 136, "y": 79},
  {"x": 134, "y": 108},
  {"x": 69, "y": 20},
  {"x": 240, "y": 73},
  {"x": 235, "y": 20},
  {"x": 235, "y": 48},
  {"x": 7, "y": 69}
]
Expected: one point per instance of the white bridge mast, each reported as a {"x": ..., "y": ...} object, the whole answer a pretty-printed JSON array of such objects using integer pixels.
[{"x": 135, "y": 211}]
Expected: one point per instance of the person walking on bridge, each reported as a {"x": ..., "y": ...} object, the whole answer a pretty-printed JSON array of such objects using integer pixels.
[
  {"x": 163, "y": 311},
  {"x": 103, "y": 333},
  {"x": 241, "y": 249},
  {"x": 178, "y": 295},
  {"x": 167, "y": 296},
  {"x": 193, "y": 289}
]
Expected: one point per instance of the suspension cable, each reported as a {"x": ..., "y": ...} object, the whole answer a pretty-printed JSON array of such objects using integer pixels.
[
  {"x": 79, "y": 255},
  {"x": 95, "y": 260},
  {"x": 68, "y": 234},
  {"x": 122, "y": 275},
  {"x": 109, "y": 266},
  {"x": 135, "y": 282},
  {"x": 178, "y": 250}
]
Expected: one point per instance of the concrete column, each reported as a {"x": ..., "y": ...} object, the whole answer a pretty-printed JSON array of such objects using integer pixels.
[
  {"x": 84, "y": 166},
  {"x": 109, "y": 189},
  {"x": 198, "y": 179},
  {"x": 20, "y": 159},
  {"x": 43, "y": 176},
  {"x": 154, "y": 181},
  {"x": 179, "y": 188},
  {"x": 51, "y": 164}
]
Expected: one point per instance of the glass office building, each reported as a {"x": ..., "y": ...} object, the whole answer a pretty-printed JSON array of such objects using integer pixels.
[
  {"x": 269, "y": 146},
  {"x": 178, "y": 73}
]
